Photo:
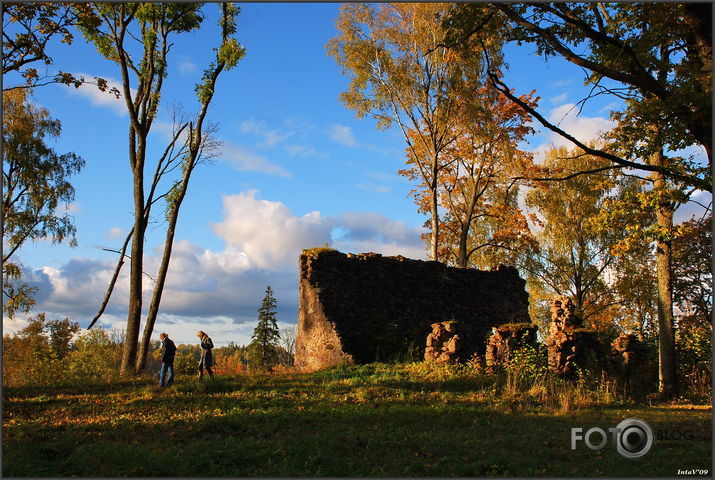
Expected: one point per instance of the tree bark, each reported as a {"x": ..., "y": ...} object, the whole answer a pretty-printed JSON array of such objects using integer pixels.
[
  {"x": 129, "y": 352},
  {"x": 434, "y": 241},
  {"x": 462, "y": 247},
  {"x": 667, "y": 380},
  {"x": 163, "y": 271},
  {"x": 158, "y": 290},
  {"x": 196, "y": 146}
]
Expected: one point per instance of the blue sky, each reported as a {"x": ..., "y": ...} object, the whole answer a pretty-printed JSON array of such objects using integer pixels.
[{"x": 296, "y": 170}]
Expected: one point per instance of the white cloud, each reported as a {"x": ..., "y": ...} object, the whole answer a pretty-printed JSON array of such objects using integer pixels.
[
  {"x": 101, "y": 99},
  {"x": 114, "y": 232},
  {"x": 584, "y": 129},
  {"x": 11, "y": 327},
  {"x": 383, "y": 176},
  {"x": 246, "y": 161},
  {"x": 187, "y": 67},
  {"x": 694, "y": 208},
  {"x": 581, "y": 127},
  {"x": 220, "y": 291},
  {"x": 343, "y": 135},
  {"x": 268, "y": 232},
  {"x": 167, "y": 129},
  {"x": 271, "y": 137},
  {"x": 358, "y": 232}
]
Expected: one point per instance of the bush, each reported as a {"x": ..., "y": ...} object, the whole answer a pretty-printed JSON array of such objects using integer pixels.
[
  {"x": 230, "y": 364},
  {"x": 95, "y": 357},
  {"x": 185, "y": 363},
  {"x": 35, "y": 357}
]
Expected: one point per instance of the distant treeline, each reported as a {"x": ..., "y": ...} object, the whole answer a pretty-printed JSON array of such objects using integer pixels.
[{"x": 48, "y": 352}]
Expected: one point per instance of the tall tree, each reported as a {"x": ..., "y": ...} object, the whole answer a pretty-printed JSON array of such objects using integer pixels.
[
  {"x": 692, "y": 269},
  {"x": 647, "y": 216},
  {"x": 475, "y": 186},
  {"x": 646, "y": 132},
  {"x": 35, "y": 184},
  {"x": 266, "y": 336},
  {"x": 574, "y": 255},
  {"x": 400, "y": 74},
  {"x": 112, "y": 28},
  {"x": 198, "y": 147},
  {"x": 636, "y": 291}
]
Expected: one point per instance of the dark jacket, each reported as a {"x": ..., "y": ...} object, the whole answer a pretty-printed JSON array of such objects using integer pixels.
[
  {"x": 206, "y": 356},
  {"x": 168, "y": 351}
]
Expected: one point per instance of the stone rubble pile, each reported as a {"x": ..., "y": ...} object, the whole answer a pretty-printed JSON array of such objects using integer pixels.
[
  {"x": 569, "y": 344},
  {"x": 449, "y": 342},
  {"x": 505, "y": 339}
]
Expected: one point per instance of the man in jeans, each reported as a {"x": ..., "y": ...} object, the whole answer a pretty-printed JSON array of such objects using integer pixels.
[{"x": 168, "y": 350}]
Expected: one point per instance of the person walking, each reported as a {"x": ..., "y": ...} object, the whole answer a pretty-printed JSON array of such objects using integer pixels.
[
  {"x": 168, "y": 352},
  {"x": 207, "y": 359}
]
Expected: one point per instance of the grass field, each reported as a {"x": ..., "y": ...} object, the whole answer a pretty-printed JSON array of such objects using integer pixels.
[{"x": 373, "y": 420}]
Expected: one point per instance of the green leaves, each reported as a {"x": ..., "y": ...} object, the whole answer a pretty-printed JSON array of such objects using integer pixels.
[
  {"x": 230, "y": 53},
  {"x": 35, "y": 176}
]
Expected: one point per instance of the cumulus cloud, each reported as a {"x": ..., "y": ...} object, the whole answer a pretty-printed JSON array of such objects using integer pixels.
[
  {"x": 167, "y": 129},
  {"x": 101, "y": 99},
  {"x": 583, "y": 128},
  {"x": 203, "y": 288},
  {"x": 219, "y": 291},
  {"x": 246, "y": 161},
  {"x": 696, "y": 207},
  {"x": 70, "y": 208},
  {"x": 267, "y": 231},
  {"x": 372, "y": 232},
  {"x": 343, "y": 135}
]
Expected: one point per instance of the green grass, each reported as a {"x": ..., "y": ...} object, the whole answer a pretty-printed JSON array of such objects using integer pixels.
[{"x": 371, "y": 420}]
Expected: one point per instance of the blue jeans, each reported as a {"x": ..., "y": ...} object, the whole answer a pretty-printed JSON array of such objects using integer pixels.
[{"x": 162, "y": 374}]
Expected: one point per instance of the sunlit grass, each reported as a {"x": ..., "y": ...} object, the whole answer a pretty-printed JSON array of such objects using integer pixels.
[{"x": 371, "y": 420}]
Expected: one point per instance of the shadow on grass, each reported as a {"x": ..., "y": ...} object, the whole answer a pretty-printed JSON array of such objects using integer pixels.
[
  {"x": 115, "y": 385},
  {"x": 322, "y": 438}
]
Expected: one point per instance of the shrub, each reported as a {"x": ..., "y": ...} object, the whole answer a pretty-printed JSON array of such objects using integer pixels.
[
  {"x": 229, "y": 364},
  {"x": 185, "y": 363}
]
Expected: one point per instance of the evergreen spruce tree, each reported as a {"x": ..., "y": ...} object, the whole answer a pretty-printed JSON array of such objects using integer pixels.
[{"x": 264, "y": 341}]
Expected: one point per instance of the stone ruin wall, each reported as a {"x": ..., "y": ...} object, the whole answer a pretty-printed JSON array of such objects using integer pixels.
[{"x": 366, "y": 307}]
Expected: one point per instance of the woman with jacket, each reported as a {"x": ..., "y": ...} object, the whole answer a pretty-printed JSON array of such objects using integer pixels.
[{"x": 207, "y": 360}]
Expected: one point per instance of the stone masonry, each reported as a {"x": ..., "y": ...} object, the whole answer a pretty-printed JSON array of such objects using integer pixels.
[
  {"x": 366, "y": 307},
  {"x": 505, "y": 339},
  {"x": 569, "y": 344}
]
